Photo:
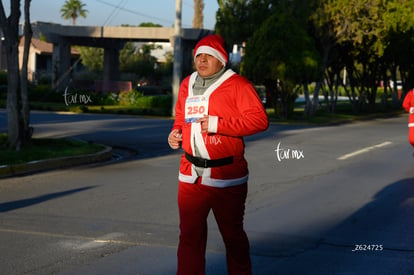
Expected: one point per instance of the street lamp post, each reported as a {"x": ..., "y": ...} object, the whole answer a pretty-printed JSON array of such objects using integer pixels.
[{"x": 178, "y": 55}]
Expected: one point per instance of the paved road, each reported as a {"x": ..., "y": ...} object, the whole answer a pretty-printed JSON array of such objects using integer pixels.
[{"x": 336, "y": 199}]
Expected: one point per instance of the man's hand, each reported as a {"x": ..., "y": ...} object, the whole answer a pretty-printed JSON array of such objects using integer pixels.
[
  {"x": 412, "y": 110},
  {"x": 204, "y": 123},
  {"x": 175, "y": 139}
]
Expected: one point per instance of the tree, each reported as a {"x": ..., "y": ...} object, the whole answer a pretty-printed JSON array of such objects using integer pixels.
[
  {"x": 72, "y": 9},
  {"x": 367, "y": 32},
  {"x": 282, "y": 63},
  {"x": 237, "y": 20},
  {"x": 19, "y": 132},
  {"x": 92, "y": 58},
  {"x": 147, "y": 24},
  {"x": 198, "y": 14},
  {"x": 372, "y": 39},
  {"x": 322, "y": 30},
  {"x": 139, "y": 61}
]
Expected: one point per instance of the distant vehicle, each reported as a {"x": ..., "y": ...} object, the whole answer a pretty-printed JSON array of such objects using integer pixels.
[
  {"x": 399, "y": 84},
  {"x": 261, "y": 91}
]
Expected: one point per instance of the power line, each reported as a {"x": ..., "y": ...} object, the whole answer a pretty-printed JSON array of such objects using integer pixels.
[
  {"x": 115, "y": 10},
  {"x": 134, "y": 12},
  {"x": 189, "y": 5}
]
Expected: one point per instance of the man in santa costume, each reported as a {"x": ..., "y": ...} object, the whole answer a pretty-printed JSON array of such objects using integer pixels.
[
  {"x": 408, "y": 105},
  {"x": 215, "y": 109}
]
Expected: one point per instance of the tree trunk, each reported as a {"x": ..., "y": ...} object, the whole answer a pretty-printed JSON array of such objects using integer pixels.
[
  {"x": 17, "y": 99},
  {"x": 13, "y": 116},
  {"x": 10, "y": 27},
  {"x": 25, "y": 108},
  {"x": 307, "y": 99}
]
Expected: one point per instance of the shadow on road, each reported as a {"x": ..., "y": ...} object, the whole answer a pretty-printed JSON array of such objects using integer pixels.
[
  {"x": 377, "y": 238},
  {"x": 386, "y": 220},
  {"x": 9, "y": 206}
]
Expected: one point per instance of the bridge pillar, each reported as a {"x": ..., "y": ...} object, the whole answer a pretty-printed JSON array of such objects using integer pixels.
[
  {"x": 111, "y": 70},
  {"x": 61, "y": 58},
  {"x": 187, "y": 57},
  {"x": 111, "y": 64}
]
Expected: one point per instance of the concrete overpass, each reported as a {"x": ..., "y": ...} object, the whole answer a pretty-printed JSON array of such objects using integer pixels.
[{"x": 112, "y": 40}]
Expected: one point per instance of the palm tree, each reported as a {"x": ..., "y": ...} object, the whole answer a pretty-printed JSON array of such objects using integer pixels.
[{"x": 73, "y": 9}]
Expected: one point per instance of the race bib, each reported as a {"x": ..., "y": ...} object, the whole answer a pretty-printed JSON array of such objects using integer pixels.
[{"x": 195, "y": 107}]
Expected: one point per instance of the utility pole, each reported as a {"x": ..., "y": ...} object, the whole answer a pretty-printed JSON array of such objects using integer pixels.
[{"x": 178, "y": 55}]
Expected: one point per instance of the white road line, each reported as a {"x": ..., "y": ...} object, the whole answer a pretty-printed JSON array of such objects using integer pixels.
[
  {"x": 75, "y": 237},
  {"x": 364, "y": 150},
  {"x": 77, "y": 240}
]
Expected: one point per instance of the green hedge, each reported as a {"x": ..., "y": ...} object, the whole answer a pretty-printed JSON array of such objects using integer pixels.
[{"x": 127, "y": 102}]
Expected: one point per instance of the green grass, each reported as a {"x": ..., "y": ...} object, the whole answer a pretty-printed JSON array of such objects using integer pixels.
[{"x": 47, "y": 148}]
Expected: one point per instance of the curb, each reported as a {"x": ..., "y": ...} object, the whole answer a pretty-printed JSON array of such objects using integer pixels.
[{"x": 56, "y": 163}]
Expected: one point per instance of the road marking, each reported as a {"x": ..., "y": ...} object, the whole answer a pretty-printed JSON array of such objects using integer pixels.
[
  {"x": 81, "y": 240},
  {"x": 63, "y": 236},
  {"x": 364, "y": 150}
]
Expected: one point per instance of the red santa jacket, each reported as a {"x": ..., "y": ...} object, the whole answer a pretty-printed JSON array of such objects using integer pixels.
[
  {"x": 235, "y": 111},
  {"x": 407, "y": 104}
]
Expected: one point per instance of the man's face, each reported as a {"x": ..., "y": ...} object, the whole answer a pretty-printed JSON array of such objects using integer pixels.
[{"x": 207, "y": 65}]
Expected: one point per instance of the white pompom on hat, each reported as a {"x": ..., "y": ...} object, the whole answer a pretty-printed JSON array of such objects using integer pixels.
[{"x": 212, "y": 44}]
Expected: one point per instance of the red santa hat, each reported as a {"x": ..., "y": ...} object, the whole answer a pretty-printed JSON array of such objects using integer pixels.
[{"x": 212, "y": 44}]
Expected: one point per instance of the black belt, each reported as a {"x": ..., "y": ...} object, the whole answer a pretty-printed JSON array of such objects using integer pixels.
[{"x": 200, "y": 162}]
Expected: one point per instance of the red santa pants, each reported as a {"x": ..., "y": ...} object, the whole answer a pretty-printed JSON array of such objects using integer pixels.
[
  {"x": 411, "y": 135},
  {"x": 195, "y": 202}
]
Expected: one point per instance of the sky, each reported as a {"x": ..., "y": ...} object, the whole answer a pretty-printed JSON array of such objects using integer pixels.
[{"x": 118, "y": 12}]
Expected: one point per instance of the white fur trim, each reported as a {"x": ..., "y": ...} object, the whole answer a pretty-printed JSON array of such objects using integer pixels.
[
  {"x": 211, "y": 51},
  {"x": 227, "y": 74},
  {"x": 212, "y": 124},
  {"x": 191, "y": 83},
  {"x": 410, "y": 124},
  {"x": 220, "y": 183},
  {"x": 187, "y": 178},
  {"x": 224, "y": 183},
  {"x": 198, "y": 140}
]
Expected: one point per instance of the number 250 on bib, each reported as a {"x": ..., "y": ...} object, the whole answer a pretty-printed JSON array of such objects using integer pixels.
[{"x": 195, "y": 107}]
